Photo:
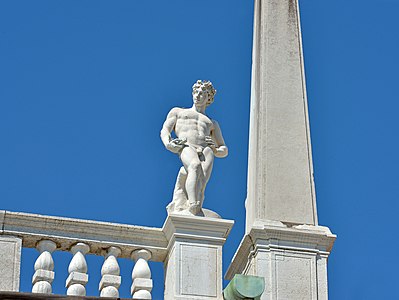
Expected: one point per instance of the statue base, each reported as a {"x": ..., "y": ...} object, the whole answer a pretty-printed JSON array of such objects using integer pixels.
[
  {"x": 201, "y": 212},
  {"x": 193, "y": 266}
]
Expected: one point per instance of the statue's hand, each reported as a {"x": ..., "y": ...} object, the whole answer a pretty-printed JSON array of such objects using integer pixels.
[
  {"x": 176, "y": 145},
  {"x": 211, "y": 143}
]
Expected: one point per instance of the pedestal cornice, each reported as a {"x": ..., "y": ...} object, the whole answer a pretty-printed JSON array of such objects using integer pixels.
[{"x": 212, "y": 230}]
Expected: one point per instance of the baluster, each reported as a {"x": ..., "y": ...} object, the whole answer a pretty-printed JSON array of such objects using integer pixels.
[
  {"x": 110, "y": 271},
  {"x": 44, "y": 267},
  {"x": 141, "y": 275},
  {"x": 77, "y": 269}
]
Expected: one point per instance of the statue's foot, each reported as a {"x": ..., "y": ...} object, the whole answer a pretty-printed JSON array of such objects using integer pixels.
[{"x": 196, "y": 210}]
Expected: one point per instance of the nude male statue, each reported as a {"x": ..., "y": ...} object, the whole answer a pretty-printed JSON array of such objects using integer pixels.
[{"x": 198, "y": 140}]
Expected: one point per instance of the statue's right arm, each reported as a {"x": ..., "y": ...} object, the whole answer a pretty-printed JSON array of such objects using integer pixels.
[{"x": 168, "y": 126}]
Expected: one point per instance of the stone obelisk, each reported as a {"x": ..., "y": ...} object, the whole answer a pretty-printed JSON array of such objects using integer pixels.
[{"x": 283, "y": 241}]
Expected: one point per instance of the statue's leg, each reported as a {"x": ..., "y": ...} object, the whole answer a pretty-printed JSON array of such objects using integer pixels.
[
  {"x": 179, "y": 201},
  {"x": 207, "y": 165},
  {"x": 195, "y": 178}
]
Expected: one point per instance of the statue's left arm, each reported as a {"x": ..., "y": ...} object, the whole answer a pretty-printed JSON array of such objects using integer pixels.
[{"x": 221, "y": 149}]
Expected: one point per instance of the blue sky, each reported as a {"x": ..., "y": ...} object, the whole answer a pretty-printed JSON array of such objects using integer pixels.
[{"x": 86, "y": 85}]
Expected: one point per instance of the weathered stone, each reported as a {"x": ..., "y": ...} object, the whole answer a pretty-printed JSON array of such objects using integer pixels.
[
  {"x": 293, "y": 260},
  {"x": 283, "y": 242},
  {"x": 141, "y": 284},
  {"x": 141, "y": 275},
  {"x": 43, "y": 275},
  {"x": 193, "y": 268},
  {"x": 10, "y": 261},
  {"x": 280, "y": 171},
  {"x": 98, "y": 235},
  {"x": 110, "y": 280},
  {"x": 76, "y": 278}
]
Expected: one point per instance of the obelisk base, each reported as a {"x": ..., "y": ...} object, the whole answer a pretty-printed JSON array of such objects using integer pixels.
[
  {"x": 292, "y": 259},
  {"x": 193, "y": 268}
]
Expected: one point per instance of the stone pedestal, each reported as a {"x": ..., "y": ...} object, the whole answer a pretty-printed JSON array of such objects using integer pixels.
[
  {"x": 10, "y": 261},
  {"x": 293, "y": 260},
  {"x": 193, "y": 267}
]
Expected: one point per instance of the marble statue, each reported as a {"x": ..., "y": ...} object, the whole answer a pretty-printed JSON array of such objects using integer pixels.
[{"x": 198, "y": 140}]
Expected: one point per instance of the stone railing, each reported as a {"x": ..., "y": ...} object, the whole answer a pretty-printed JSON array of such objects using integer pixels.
[
  {"x": 80, "y": 237},
  {"x": 180, "y": 238}
]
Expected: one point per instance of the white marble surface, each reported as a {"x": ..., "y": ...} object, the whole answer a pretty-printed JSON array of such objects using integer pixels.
[
  {"x": 10, "y": 261},
  {"x": 44, "y": 268},
  {"x": 98, "y": 235},
  {"x": 141, "y": 275},
  {"x": 280, "y": 171},
  {"x": 77, "y": 269},
  {"x": 283, "y": 242},
  {"x": 293, "y": 260},
  {"x": 110, "y": 274},
  {"x": 193, "y": 268},
  {"x": 198, "y": 141},
  {"x": 190, "y": 247}
]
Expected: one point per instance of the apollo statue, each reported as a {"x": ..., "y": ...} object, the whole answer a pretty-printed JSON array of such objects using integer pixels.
[{"x": 198, "y": 140}]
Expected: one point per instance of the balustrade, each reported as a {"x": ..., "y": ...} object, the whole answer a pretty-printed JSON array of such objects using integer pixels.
[
  {"x": 78, "y": 277},
  {"x": 77, "y": 269},
  {"x": 44, "y": 266},
  {"x": 141, "y": 275},
  {"x": 196, "y": 240},
  {"x": 110, "y": 271},
  {"x": 81, "y": 237}
]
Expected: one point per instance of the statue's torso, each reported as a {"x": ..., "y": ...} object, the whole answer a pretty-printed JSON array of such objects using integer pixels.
[{"x": 193, "y": 126}]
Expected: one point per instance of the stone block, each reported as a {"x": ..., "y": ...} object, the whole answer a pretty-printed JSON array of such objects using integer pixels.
[
  {"x": 43, "y": 275},
  {"x": 293, "y": 260},
  {"x": 77, "y": 278},
  {"x": 10, "y": 261},
  {"x": 141, "y": 284},
  {"x": 110, "y": 280},
  {"x": 193, "y": 269}
]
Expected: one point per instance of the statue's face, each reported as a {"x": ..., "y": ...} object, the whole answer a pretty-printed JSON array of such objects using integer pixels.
[{"x": 200, "y": 97}]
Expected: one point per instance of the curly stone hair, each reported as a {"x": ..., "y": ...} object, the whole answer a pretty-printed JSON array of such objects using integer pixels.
[{"x": 206, "y": 85}]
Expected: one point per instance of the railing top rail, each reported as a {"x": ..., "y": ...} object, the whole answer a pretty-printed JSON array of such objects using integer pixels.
[
  {"x": 99, "y": 235},
  {"x": 31, "y": 296}
]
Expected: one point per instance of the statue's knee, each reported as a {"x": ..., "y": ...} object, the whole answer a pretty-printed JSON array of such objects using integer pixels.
[{"x": 182, "y": 171}]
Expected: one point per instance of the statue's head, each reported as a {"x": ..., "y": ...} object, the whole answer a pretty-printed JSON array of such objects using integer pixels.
[{"x": 203, "y": 90}]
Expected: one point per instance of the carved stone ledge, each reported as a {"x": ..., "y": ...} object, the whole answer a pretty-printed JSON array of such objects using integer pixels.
[{"x": 65, "y": 232}]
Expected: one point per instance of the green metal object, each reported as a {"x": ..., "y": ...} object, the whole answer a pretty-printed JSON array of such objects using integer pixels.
[{"x": 244, "y": 287}]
